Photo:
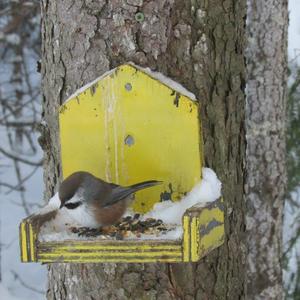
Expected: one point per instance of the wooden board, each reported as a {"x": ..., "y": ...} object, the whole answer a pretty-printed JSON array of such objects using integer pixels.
[
  {"x": 125, "y": 127},
  {"x": 203, "y": 231}
]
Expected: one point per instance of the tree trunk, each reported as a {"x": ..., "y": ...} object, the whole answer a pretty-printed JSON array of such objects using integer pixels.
[
  {"x": 266, "y": 178},
  {"x": 200, "y": 44}
]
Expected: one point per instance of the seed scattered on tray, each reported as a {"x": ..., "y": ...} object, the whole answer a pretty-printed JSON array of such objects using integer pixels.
[{"x": 127, "y": 227}]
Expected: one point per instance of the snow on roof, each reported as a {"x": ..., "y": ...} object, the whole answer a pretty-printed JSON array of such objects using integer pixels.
[{"x": 155, "y": 75}]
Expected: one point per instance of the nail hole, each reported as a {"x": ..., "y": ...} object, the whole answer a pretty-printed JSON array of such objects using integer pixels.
[
  {"x": 128, "y": 86},
  {"x": 129, "y": 140}
]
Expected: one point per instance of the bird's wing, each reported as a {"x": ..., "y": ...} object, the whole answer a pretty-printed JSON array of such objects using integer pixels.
[{"x": 119, "y": 193}]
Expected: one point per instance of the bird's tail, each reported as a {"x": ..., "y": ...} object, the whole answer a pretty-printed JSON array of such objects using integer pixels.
[
  {"x": 119, "y": 193},
  {"x": 143, "y": 185}
]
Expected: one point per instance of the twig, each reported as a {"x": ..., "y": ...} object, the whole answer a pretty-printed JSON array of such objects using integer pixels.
[
  {"x": 19, "y": 185},
  {"x": 18, "y": 124},
  {"x": 15, "y": 188},
  {"x": 23, "y": 160},
  {"x": 15, "y": 110}
]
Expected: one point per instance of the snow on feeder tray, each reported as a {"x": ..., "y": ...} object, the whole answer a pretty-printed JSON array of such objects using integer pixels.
[{"x": 127, "y": 126}]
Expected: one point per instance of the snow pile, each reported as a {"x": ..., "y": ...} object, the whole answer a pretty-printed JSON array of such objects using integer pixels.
[
  {"x": 207, "y": 190},
  {"x": 50, "y": 233}
]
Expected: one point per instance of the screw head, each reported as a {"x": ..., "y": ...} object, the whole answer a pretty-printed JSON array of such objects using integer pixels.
[
  {"x": 129, "y": 140},
  {"x": 128, "y": 86},
  {"x": 139, "y": 17}
]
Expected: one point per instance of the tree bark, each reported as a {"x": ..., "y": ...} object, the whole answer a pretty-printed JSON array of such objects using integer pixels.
[
  {"x": 200, "y": 44},
  {"x": 266, "y": 177}
]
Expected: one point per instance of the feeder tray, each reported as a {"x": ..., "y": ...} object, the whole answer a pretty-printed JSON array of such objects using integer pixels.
[
  {"x": 202, "y": 232},
  {"x": 126, "y": 127}
]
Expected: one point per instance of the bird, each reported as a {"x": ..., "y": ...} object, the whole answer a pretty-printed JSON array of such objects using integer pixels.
[{"x": 93, "y": 202}]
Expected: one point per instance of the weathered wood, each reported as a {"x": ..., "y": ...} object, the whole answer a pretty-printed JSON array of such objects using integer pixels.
[
  {"x": 203, "y": 230},
  {"x": 28, "y": 233},
  {"x": 110, "y": 251}
]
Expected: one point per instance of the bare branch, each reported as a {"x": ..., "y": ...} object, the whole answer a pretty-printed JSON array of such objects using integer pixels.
[
  {"x": 16, "y": 109},
  {"x": 15, "y": 188},
  {"x": 23, "y": 160},
  {"x": 22, "y": 181},
  {"x": 17, "y": 124}
]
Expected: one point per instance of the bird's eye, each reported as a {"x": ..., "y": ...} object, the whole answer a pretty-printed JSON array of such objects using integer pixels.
[{"x": 72, "y": 205}]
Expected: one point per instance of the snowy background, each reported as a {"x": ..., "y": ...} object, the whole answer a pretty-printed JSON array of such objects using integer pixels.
[
  {"x": 21, "y": 184},
  {"x": 294, "y": 31},
  {"x": 292, "y": 215},
  {"x": 28, "y": 281}
]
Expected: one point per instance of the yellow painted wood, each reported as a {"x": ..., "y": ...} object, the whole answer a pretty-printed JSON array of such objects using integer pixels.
[
  {"x": 108, "y": 254},
  {"x": 112, "y": 260},
  {"x": 32, "y": 237},
  {"x": 88, "y": 252},
  {"x": 129, "y": 127},
  {"x": 23, "y": 242},
  {"x": 85, "y": 251},
  {"x": 215, "y": 235},
  {"x": 207, "y": 231},
  {"x": 186, "y": 239},
  {"x": 125, "y": 128},
  {"x": 203, "y": 230},
  {"x": 194, "y": 239}
]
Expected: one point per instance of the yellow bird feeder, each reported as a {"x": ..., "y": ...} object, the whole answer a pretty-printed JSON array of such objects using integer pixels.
[{"x": 125, "y": 127}]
